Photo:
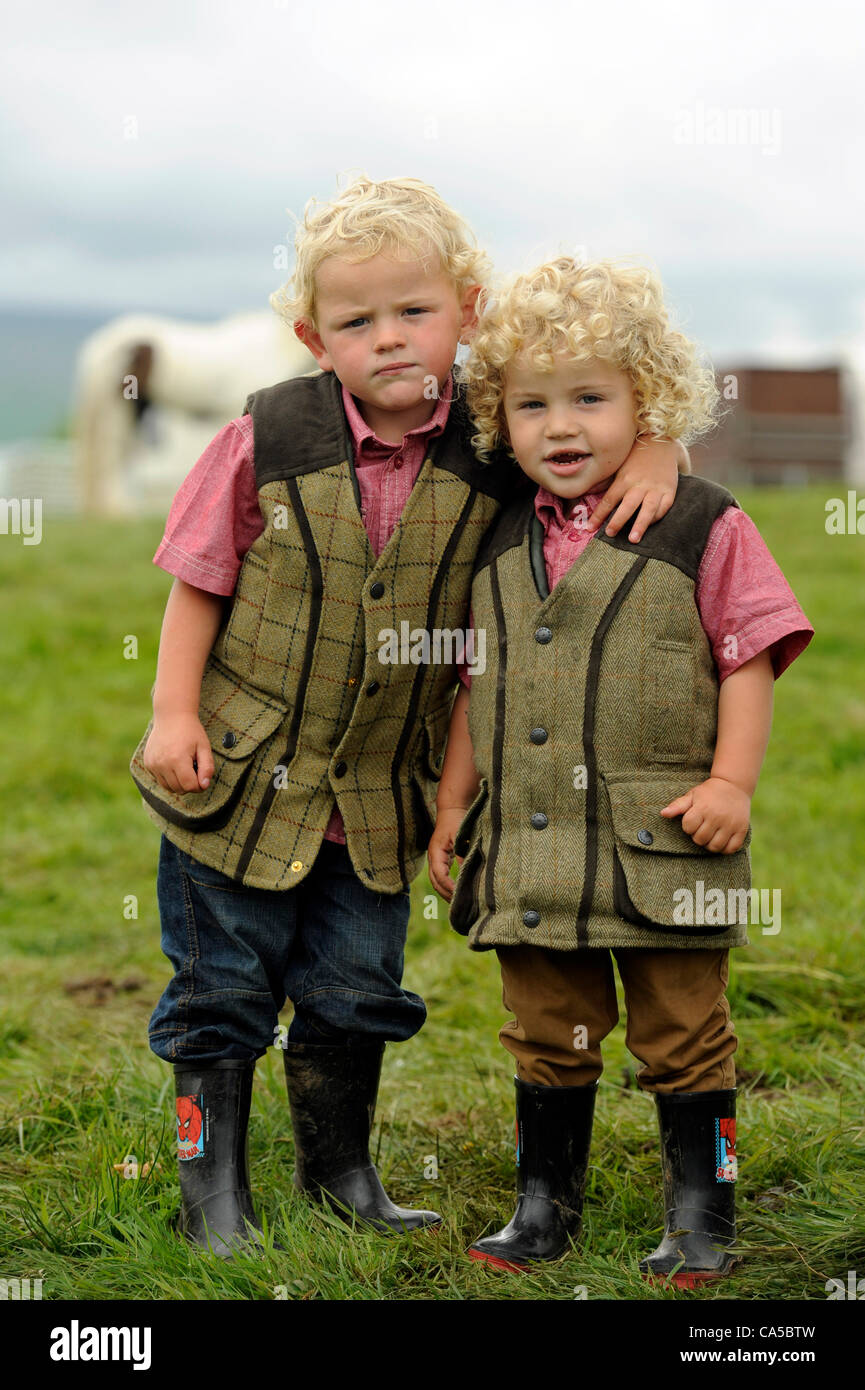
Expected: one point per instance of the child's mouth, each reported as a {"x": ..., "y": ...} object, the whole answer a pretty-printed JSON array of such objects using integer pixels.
[{"x": 566, "y": 461}]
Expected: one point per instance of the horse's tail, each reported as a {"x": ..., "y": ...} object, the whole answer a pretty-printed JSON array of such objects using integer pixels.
[{"x": 105, "y": 419}]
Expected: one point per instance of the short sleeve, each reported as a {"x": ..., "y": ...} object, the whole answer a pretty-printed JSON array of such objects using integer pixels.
[
  {"x": 215, "y": 516},
  {"x": 746, "y": 605}
]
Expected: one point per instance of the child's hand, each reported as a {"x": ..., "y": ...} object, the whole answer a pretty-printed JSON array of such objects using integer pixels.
[
  {"x": 440, "y": 852},
  {"x": 647, "y": 479},
  {"x": 715, "y": 814},
  {"x": 175, "y": 743}
]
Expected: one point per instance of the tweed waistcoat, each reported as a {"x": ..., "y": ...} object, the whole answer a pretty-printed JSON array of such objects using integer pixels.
[
  {"x": 597, "y": 707},
  {"x": 298, "y": 705}
]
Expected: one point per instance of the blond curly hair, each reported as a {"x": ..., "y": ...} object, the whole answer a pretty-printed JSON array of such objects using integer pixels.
[
  {"x": 610, "y": 310},
  {"x": 395, "y": 216}
]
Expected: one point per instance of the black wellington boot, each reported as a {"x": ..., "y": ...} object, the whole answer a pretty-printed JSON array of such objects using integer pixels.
[
  {"x": 332, "y": 1091},
  {"x": 698, "y": 1152},
  {"x": 213, "y": 1101},
  {"x": 554, "y": 1132}
]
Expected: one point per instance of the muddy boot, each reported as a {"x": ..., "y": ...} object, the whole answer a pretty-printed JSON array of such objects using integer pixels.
[
  {"x": 698, "y": 1152},
  {"x": 332, "y": 1091},
  {"x": 212, "y": 1116},
  {"x": 554, "y": 1132}
]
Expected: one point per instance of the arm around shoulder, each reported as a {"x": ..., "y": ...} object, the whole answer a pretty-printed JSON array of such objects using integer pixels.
[{"x": 647, "y": 480}]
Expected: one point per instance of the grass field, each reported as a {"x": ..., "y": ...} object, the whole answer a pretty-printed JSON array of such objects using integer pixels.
[{"x": 80, "y": 975}]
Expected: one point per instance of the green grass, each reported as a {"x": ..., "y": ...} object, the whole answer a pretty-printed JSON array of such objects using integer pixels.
[{"x": 81, "y": 973}]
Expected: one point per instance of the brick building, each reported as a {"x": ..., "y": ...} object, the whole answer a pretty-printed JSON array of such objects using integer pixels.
[{"x": 778, "y": 426}]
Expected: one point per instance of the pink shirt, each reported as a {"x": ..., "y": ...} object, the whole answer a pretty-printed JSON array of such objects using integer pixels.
[
  {"x": 740, "y": 592},
  {"x": 216, "y": 516}
]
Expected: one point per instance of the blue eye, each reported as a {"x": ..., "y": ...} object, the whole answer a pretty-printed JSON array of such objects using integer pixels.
[
  {"x": 417, "y": 310},
  {"x": 354, "y": 322},
  {"x": 590, "y": 398},
  {"x": 529, "y": 405}
]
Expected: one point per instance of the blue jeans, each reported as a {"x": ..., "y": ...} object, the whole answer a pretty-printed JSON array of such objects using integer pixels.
[{"x": 330, "y": 945}]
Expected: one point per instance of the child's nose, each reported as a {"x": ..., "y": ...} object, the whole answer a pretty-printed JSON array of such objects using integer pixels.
[
  {"x": 559, "y": 422},
  {"x": 391, "y": 334}
]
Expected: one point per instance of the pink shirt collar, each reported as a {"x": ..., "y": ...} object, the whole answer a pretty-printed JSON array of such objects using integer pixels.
[
  {"x": 361, "y": 432},
  {"x": 551, "y": 508}
]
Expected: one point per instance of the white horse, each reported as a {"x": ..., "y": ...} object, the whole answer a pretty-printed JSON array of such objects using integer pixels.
[{"x": 197, "y": 376}]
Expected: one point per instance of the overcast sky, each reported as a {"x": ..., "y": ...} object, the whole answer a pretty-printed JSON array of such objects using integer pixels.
[{"x": 151, "y": 152}]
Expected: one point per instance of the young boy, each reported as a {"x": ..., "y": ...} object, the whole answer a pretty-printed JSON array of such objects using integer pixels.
[
  {"x": 291, "y": 771},
  {"x": 597, "y": 723}
]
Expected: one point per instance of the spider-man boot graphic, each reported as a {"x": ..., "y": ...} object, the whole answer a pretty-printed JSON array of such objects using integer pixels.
[
  {"x": 213, "y": 1101},
  {"x": 698, "y": 1147}
]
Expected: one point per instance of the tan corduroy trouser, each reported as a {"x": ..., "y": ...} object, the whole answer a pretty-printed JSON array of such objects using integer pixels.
[{"x": 564, "y": 1003}]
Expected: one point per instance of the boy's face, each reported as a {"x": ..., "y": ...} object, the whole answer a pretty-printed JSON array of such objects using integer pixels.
[
  {"x": 389, "y": 328},
  {"x": 570, "y": 428}
]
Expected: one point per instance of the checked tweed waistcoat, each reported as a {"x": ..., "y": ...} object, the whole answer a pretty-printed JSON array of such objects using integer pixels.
[
  {"x": 298, "y": 707},
  {"x": 597, "y": 707}
]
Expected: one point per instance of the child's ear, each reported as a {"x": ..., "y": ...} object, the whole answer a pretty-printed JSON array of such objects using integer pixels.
[
  {"x": 469, "y": 309},
  {"x": 305, "y": 330}
]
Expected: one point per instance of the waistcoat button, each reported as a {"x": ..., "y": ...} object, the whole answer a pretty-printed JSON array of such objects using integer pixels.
[
  {"x": 373, "y": 688},
  {"x": 340, "y": 770},
  {"x": 377, "y": 589},
  {"x": 229, "y": 739},
  {"x": 539, "y": 735},
  {"x": 645, "y": 837},
  {"x": 543, "y": 634},
  {"x": 539, "y": 820},
  {"x": 531, "y": 918}
]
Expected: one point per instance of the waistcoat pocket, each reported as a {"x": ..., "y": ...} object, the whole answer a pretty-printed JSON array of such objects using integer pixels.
[
  {"x": 426, "y": 771},
  {"x": 241, "y": 637},
  {"x": 660, "y": 877},
  {"x": 468, "y": 824},
  {"x": 465, "y": 905},
  {"x": 237, "y": 719},
  {"x": 424, "y": 824},
  {"x": 436, "y": 726},
  {"x": 672, "y": 678}
]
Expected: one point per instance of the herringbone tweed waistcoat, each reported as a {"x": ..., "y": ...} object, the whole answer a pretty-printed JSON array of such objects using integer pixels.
[
  {"x": 597, "y": 707},
  {"x": 298, "y": 706}
]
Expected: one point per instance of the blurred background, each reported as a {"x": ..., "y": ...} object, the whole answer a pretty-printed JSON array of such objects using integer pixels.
[
  {"x": 154, "y": 161},
  {"x": 154, "y": 169}
]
